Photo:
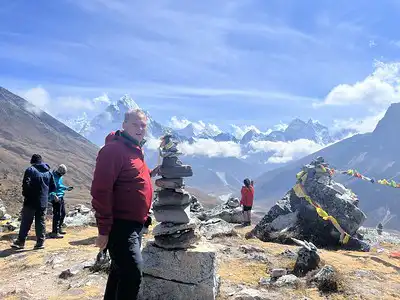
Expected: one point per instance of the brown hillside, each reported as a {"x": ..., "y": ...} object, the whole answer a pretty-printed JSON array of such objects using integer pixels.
[{"x": 25, "y": 130}]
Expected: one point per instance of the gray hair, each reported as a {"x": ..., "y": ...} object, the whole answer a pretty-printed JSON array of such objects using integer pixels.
[{"x": 137, "y": 112}]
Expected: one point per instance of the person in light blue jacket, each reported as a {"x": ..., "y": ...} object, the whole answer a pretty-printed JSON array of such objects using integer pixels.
[{"x": 57, "y": 200}]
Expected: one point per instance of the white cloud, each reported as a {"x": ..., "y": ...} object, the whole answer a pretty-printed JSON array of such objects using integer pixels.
[
  {"x": 39, "y": 97},
  {"x": 102, "y": 99},
  {"x": 286, "y": 151},
  {"x": 367, "y": 124},
  {"x": 211, "y": 148},
  {"x": 76, "y": 103},
  {"x": 378, "y": 90}
]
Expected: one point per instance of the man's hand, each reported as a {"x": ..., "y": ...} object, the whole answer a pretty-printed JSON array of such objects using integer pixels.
[
  {"x": 102, "y": 241},
  {"x": 56, "y": 199},
  {"x": 155, "y": 171}
]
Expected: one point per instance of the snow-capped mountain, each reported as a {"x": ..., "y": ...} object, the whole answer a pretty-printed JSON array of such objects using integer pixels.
[{"x": 215, "y": 174}]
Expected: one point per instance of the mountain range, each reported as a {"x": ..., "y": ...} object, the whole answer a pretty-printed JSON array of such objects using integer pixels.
[
  {"x": 218, "y": 174},
  {"x": 372, "y": 154}
]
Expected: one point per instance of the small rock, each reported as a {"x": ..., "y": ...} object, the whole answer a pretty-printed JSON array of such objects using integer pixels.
[
  {"x": 253, "y": 294},
  {"x": 71, "y": 271},
  {"x": 250, "y": 249},
  {"x": 275, "y": 273},
  {"x": 289, "y": 254},
  {"x": 264, "y": 281},
  {"x": 326, "y": 279},
  {"x": 288, "y": 280},
  {"x": 307, "y": 261},
  {"x": 216, "y": 228}
]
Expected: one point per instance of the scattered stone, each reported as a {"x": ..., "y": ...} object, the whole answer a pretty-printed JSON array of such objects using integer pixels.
[
  {"x": 294, "y": 217},
  {"x": 288, "y": 280},
  {"x": 80, "y": 215},
  {"x": 233, "y": 202},
  {"x": 289, "y": 254},
  {"x": 253, "y": 294},
  {"x": 264, "y": 281},
  {"x": 72, "y": 271},
  {"x": 102, "y": 263},
  {"x": 307, "y": 260},
  {"x": 3, "y": 210},
  {"x": 195, "y": 205},
  {"x": 276, "y": 273},
  {"x": 251, "y": 249},
  {"x": 326, "y": 279},
  {"x": 216, "y": 228}
]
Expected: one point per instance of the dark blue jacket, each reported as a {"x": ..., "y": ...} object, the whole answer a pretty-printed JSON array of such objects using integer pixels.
[{"x": 37, "y": 184}]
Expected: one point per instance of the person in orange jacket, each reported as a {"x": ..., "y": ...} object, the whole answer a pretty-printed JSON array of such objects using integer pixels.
[{"x": 247, "y": 201}]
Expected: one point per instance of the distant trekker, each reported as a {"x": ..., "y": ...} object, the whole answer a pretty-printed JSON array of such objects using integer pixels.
[
  {"x": 247, "y": 201},
  {"x": 57, "y": 200},
  {"x": 37, "y": 184}
]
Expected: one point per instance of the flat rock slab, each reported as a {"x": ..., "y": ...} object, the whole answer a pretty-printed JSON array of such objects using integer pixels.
[
  {"x": 170, "y": 197},
  {"x": 170, "y": 228},
  {"x": 191, "y": 266},
  {"x": 153, "y": 288},
  {"x": 170, "y": 183},
  {"x": 172, "y": 214},
  {"x": 176, "y": 171}
]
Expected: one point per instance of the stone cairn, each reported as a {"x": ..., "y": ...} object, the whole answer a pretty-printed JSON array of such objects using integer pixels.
[
  {"x": 172, "y": 207},
  {"x": 175, "y": 266}
]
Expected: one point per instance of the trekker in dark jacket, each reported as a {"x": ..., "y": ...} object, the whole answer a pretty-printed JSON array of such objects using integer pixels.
[
  {"x": 57, "y": 200},
  {"x": 122, "y": 196},
  {"x": 38, "y": 182}
]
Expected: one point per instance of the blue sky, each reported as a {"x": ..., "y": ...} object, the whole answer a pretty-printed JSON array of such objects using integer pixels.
[{"x": 244, "y": 62}]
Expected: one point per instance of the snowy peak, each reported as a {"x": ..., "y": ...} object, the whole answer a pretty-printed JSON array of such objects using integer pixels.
[{"x": 126, "y": 102}]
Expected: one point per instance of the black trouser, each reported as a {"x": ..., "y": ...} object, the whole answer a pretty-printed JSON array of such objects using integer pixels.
[
  {"x": 126, "y": 260},
  {"x": 28, "y": 213},
  {"x": 58, "y": 215}
]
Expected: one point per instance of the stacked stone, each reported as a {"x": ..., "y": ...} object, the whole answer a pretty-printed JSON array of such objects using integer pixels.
[
  {"x": 173, "y": 267},
  {"x": 172, "y": 207}
]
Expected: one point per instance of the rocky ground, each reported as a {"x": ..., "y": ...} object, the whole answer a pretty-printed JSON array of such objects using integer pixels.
[{"x": 243, "y": 265}]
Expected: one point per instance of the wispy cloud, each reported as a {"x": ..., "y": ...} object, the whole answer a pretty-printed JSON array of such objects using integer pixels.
[{"x": 283, "y": 152}]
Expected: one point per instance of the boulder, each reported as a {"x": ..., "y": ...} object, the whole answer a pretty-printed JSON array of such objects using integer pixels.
[
  {"x": 80, "y": 216},
  {"x": 288, "y": 280},
  {"x": 294, "y": 217},
  {"x": 225, "y": 212},
  {"x": 216, "y": 228},
  {"x": 179, "y": 274}
]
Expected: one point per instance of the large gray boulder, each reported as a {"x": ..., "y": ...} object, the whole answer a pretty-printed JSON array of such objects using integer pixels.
[
  {"x": 293, "y": 216},
  {"x": 229, "y": 212}
]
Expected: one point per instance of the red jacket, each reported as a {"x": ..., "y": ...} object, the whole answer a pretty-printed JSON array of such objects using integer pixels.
[
  {"x": 121, "y": 186},
  {"x": 247, "y": 196}
]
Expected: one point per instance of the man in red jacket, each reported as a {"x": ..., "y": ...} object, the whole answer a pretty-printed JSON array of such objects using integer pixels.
[{"x": 122, "y": 195}]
